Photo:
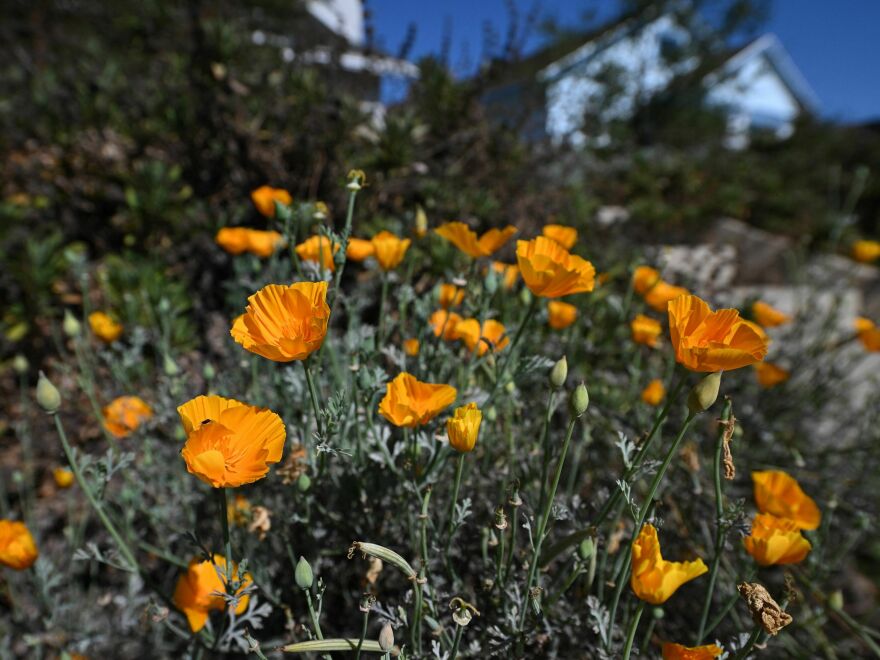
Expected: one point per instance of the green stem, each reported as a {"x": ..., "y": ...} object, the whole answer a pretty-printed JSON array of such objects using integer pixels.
[
  {"x": 316, "y": 624},
  {"x": 459, "y": 468},
  {"x": 720, "y": 530},
  {"x": 222, "y": 505},
  {"x": 380, "y": 339},
  {"x": 633, "y": 626},
  {"x": 90, "y": 496},
  {"x": 542, "y": 524},
  {"x": 455, "y": 642},
  {"x": 313, "y": 395},
  {"x": 363, "y": 635},
  {"x": 734, "y": 598},
  {"x": 345, "y": 236}
]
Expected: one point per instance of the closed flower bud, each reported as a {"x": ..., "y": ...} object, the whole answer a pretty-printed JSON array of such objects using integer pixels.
[
  {"x": 303, "y": 483},
  {"x": 525, "y": 296},
  {"x": 835, "y": 600},
  {"x": 580, "y": 400},
  {"x": 20, "y": 364},
  {"x": 559, "y": 373},
  {"x": 586, "y": 548},
  {"x": 303, "y": 574},
  {"x": 47, "y": 395},
  {"x": 208, "y": 371},
  {"x": 170, "y": 367},
  {"x": 386, "y": 637},
  {"x": 704, "y": 393},
  {"x": 70, "y": 325}
]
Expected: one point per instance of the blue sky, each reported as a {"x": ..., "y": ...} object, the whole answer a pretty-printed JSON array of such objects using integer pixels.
[{"x": 835, "y": 43}]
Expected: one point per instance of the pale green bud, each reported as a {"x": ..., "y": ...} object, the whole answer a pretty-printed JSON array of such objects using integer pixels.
[
  {"x": 559, "y": 373},
  {"x": 70, "y": 325},
  {"x": 580, "y": 400},
  {"x": 586, "y": 548},
  {"x": 47, "y": 395},
  {"x": 303, "y": 574},
  {"x": 304, "y": 483},
  {"x": 704, "y": 393},
  {"x": 208, "y": 371},
  {"x": 20, "y": 364},
  {"x": 835, "y": 600},
  {"x": 525, "y": 296},
  {"x": 169, "y": 366}
]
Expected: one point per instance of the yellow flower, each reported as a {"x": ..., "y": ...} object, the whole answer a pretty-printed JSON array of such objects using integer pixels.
[
  {"x": 104, "y": 327},
  {"x": 198, "y": 590},
  {"x": 238, "y": 511},
  {"x": 560, "y": 314},
  {"x": 491, "y": 335},
  {"x": 445, "y": 323},
  {"x": 778, "y": 493},
  {"x": 125, "y": 414},
  {"x": 768, "y": 316},
  {"x": 359, "y": 249},
  {"x": 868, "y": 333},
  {"x": 409, "y": 402},
  {"x": 317, "y": 249},
  {"x": 63, "y": 477},
  {"x": 713, "y": 341},
  {"x": 645, "y": 330},
  {"x": 770, "y": 375},
  {"x": 659, "y": 296},
  {"x": 465, "y": 239},
  {"x": 644, "y": 278},
  {"x": 229, "y": 443},
  {"x": 389, "y": 250},
  {"x": 866, "y": 251},
  {"x": 17, "y": 547},
  {"x": 284, "y": 323},
  {"x": 508, "y": 272},
  {"x": 421, "y": 228},
  {"x": 565, "y": 236},
  {"x": 654, "y": 393},
  {"x": 450, "y": 296},
  {"x": 550, "y": 271},
  {"x": 672, "y": 651},
  {"x": 236, "y": 240},
  {"x": 776, "y": 541},
  {"x": 411, "y": 347},
  {"x": 264, "y": 199},
  {"x": 462, "y": 428},
  {"x": 654, "y": 579}
]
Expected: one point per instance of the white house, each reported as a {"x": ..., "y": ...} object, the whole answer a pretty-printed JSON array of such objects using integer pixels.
[{"x": 757, "y": 85}]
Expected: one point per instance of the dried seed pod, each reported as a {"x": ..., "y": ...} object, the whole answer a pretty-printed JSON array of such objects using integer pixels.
[{"x": 764, "y": 610}]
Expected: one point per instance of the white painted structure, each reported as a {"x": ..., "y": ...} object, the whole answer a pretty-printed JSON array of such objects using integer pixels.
[{"x": 759, "y": 86}]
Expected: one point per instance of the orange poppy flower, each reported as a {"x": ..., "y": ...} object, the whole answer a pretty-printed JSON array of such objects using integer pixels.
[
  {"x": 490, "y": 335},
  {"x": 780, "y": 494},
  {"x": 411, "y": 347},
  {"x": 508, "y": 272},
  {"x": 17, "y": 547},
  {"x": 672, "y": 651},
  {"x": 713, "y": 341},
  {"x": 550, "y": 271},
  {"x": 409, "y": 402},
  {"x": 463, "y": 427},
  {"x": 63, "y": 477},
  {"x": 389, "y": 249},
  {"x": 125, "y": 414},
  {"x": 236, "y": 240},
  {"x": 767, "y": 315},
  {"x": 317, "y": 249},
  {"x": 654, "y": 393},
  {"x": 229, "y": 443},
  {"x": 868, "y": 333},
  {"x": 654, "y": 579},
  {"x": 560, "y": 314},
  {"x": 359, "y": 249},
  {"x": 465, "y": 239},
  {"x": 104, "y": 327},
  {"x": 645, "y": 330},
  {"x": 445, "y": 323},
  {"x": 659, "y": 296},
  {"x": 866, "y": 251},
  {"x": 770, "y": 375},
  {"x": 450, "y": 295},
  {"x": 284, "y": 323},
  {"x": 565, "y": 236},
  {"x": 644, "y": 278},
  {"x": 264, "y": 199},
  {"x": 775, "y": 541},
  {"x": 198, "y": 590}
]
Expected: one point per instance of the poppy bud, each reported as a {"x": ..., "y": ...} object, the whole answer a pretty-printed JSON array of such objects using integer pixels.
[
  {"x": 580, "y": 400},
  {"x": 835, "y": 600},
  {"x": 704, "y": 393},
  {"x": 303, "y": 574},
  {"x": 170, "y": 367},
  {"x": 421, "y": 222},
  {"x": 47, "y": 395},
  {"x": 20, "y": 364},
  {"x": 303, "y": 483},
  {"x": 386, "y": 637},
  {"x": 525, "y": 296},
  {"x": 208, "y": 371},
  {"x": 70, "y": 325},
  {"x": 587, "y": 548},
  {"x": 559, "y": 373}
]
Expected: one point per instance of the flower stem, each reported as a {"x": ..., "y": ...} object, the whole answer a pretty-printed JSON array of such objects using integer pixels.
[
  {"x": 455, "y": 642},
  {"x": 222, "y": 505},
  {"x": 633, "y": 626},
  {"x": 459, "y": 468},
  {"x": 124, "y": 550},
  {"x": 380, "y": 339},
  {"x": 720, "y": 530},
  {"x": 313, "y": 395},
  {"x": 542, "y": 523},
  {"x": 345, "y": 235},
  {"x": 363, "y": 635}
]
